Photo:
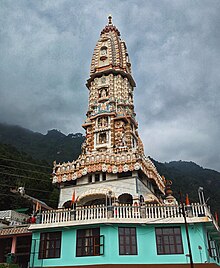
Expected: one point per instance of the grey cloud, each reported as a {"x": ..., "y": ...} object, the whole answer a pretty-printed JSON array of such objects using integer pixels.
[{"x": 46, "y": 49}]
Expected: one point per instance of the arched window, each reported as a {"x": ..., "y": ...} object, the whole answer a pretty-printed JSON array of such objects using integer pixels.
[
  {"x": 103, "y": 122},
  {"x": 125, "y": 199},
  {"x": 103, "y": 93},
  {"x": 102, "y": 138},
  {"x": 68, "y": 204},
  {"x": 103, "y": 51}
]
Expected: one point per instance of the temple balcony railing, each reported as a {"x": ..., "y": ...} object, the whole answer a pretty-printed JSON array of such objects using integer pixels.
[{"x": 146, "y": 214}]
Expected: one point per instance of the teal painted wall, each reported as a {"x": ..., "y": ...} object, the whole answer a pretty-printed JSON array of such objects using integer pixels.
[{"x": 146, "y": 243}]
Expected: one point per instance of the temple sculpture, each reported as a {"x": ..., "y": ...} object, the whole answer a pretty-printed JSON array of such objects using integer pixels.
[{"x": 112, "y": 161}]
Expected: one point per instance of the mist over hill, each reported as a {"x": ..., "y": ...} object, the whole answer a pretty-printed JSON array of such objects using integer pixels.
[
  {"x": 52, "y": 146},
  {"x": 186, "y": 176}
]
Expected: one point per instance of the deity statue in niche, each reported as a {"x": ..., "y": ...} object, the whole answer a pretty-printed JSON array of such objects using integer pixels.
[
  {"x": 103, "y": 80},
  {"x": 103, "y": 93},
  {"x": 103, "y": 107},
  {"x": 123, "y": 140},
  {"x": 103, "y": 51},
  {"x": 103, "y": 122},
  {"x": 102, "y": 138}
]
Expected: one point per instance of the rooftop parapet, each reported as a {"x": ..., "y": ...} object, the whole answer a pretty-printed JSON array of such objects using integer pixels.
[{"x": 146, "y": 214}]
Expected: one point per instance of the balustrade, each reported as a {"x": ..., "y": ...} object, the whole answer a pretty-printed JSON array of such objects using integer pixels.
[{"x": 100, "y": 212}]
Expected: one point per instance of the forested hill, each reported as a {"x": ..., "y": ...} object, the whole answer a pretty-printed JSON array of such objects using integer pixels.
[
  {"x": 186, "y": 176},
  {"x": 52, "y": 146},
  {"x": 19, "y": 169}
]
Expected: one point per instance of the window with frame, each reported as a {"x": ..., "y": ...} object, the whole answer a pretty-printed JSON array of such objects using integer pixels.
[
  {"x": 50, "y": 245},
  {"x": 89, "y": 242},
  {"x": 90, "y": 178},
  {"x": 127, "y": 241},
  {"x": 169, "y": 240},
  {"x": 104, "y": 176},
  {"x": 97, "y": 177},
  {"x": 213, "y": 248}
]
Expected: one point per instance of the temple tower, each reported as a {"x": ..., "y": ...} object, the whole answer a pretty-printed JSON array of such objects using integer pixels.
[
  {"x": 112, "y": 162},
  {"x": 111, "y": 126}
]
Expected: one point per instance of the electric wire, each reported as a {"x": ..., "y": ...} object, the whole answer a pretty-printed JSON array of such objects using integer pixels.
[
  {"x": 30, "y": 189},
  {"x": 22, "y": 162},
  {"x": 43, "y": 199},
  {"x": 21, "y": 176},
  {"x": 28, "y": 170}
]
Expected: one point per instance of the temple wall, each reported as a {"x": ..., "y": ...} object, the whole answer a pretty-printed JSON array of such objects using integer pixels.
[{"x": 130, "y": 185}]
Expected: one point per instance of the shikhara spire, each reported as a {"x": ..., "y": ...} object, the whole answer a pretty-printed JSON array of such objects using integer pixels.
[
  {"x": 111, "y": 123},
  {"x": 112, "y": 144}
]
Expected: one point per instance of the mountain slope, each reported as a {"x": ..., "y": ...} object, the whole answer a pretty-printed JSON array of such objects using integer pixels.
[
  {"x": 19, "y": 169},
  {"x": 187, "y": 177},
  {"x": 52, "y": 146}
]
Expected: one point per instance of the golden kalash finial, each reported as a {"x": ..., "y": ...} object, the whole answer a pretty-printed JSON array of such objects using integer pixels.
[{"x": 110, "y": 19}]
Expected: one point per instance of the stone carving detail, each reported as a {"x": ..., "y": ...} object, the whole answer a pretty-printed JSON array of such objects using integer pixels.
[
  {"x": 102, "y": 122},
  {"x": 112, "y": 142}
]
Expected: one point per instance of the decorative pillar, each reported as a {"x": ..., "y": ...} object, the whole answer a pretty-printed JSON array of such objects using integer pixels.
[{"x": 93, "y": 177}]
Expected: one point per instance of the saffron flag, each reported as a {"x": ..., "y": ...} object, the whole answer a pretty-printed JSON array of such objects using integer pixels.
[
  {"x": 187, "y": 200},
  {"x": 73, "y": 197},
  {"x": 38, "y": 206}
]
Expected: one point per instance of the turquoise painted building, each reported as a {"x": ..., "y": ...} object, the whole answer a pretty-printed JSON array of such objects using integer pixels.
[
  {"x": 115, "y": 210},
  {"x": 135, "y": 240}
]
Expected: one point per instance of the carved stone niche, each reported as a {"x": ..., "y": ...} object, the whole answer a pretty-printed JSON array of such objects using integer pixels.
[
  {"x": 103, "y": 79},
  {"x": 103, "y": 122},
  {"x": 103, "y": 53},
  {"x": 102, "y": 139},
  {"x": 103, "y": 93}
]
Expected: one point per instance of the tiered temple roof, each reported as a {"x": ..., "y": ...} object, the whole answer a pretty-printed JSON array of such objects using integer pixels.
[{"x": 112, "y": 142}]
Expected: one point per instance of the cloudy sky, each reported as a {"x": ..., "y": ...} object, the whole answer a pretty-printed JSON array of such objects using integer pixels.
[{"x": 174, "y": 47}]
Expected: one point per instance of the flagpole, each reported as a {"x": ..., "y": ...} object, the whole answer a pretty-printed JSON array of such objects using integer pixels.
[{"x": 187, "y": 230}]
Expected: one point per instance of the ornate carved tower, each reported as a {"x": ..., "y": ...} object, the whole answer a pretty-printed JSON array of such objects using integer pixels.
[
  {"x": 111, "y": 126},
  {"x": 112, "y": 154}
]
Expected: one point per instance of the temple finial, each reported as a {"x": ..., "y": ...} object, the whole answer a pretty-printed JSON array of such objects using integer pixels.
[{"x": 110, "y": 19}]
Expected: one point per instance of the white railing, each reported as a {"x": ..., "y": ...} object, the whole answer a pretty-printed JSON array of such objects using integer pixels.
[
  {"x": 120, "y": 212},
  {"x": 14, "y": 217}
]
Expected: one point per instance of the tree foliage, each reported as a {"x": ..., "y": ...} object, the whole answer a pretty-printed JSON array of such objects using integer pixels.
[
  {"x": 19, "y": 169},
  {"x": 187, "y": 177}
]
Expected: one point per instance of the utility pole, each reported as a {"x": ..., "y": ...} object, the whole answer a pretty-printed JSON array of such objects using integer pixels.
[{"x": 187, "y": 230}]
